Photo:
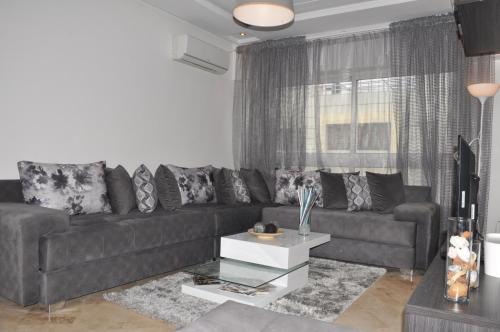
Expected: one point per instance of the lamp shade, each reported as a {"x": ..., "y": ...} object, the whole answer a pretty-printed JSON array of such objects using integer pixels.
[
  {"x": 483, "y": 89},
  {"x": 265, "y": 14}
]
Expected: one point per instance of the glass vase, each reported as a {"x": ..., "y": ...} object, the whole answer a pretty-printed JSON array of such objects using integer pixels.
[
  {"x": 305, "y": 226},
  {"x": 458, "y": 260},
  {"x": 475, "y": 264}
]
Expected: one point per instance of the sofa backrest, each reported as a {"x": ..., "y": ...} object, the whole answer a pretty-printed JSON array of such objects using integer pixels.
[
  {"x": 11, "y": 191},
  {"x": 415, "y": 194}
]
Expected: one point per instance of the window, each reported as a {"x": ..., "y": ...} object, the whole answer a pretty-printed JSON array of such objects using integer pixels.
[{"x": 352, "y": 124}]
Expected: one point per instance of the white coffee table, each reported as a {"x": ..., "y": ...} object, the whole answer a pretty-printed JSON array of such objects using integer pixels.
[{"x": 254, "y": 262}]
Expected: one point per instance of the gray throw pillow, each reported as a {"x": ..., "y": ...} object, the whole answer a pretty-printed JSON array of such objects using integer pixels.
[
  {"x": 256, "y": 185},
  {"x": 145, "y": 189},
  {"x": 334, "y": 193},
  {"x": 230, "y": 187},
  {"x": 74, "y": 188},
  {"x": 289, "y": 181},
  {"x": 120, "y": 190},
  {"x": 386, "y": 190},
  {"x": 195, "y": 185},
  {"x": 223, "y": 189},
  {"x": 168, "y": 192},
  {"x": 357, "y": 192}
]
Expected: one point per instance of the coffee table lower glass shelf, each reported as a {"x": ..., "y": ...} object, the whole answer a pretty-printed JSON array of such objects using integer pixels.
[{"x": 253, "y": 284}]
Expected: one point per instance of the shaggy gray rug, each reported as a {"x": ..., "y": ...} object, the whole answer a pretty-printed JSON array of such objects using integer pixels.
[{"x": 332, "y": 287}]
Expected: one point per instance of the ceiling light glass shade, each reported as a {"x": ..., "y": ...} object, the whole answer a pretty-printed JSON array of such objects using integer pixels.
[
  {"x": 264, "y": 14},
  {"x": 483, "y": 89}
]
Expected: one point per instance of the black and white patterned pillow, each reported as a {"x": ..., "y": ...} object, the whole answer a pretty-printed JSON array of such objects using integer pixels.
[
  {"x": 358, "y": 193},
  {"x": 240, "y": 188},
  {"x": 74, "y": 188},
  {"x": 289, "y": 181},
  {"x": 146, "y": 194},
  {"x": 195, "y": 184}
]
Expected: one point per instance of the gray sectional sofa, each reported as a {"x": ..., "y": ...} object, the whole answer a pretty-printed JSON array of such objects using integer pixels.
[{"x": 47, "y": 256}]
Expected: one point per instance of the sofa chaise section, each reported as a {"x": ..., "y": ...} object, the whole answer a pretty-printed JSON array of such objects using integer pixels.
[
  {"x": 21, "y": 227},
  {"x": 94, "y": 257}
]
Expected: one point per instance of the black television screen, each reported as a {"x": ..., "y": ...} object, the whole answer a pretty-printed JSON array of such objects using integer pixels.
[{"x": 466, "y": 180}]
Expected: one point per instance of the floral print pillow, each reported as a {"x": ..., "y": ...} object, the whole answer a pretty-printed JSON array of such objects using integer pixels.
[
  {"x": 195, "y": 184},
  {"x": 74, "y": 188},
  {"x": 289, "y": 181}
]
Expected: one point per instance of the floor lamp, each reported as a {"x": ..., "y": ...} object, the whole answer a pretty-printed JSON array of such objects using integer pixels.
[{"x": 481, "y": 91}]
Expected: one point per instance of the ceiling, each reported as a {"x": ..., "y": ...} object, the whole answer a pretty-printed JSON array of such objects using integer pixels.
[{"x": 313, "y": 17}]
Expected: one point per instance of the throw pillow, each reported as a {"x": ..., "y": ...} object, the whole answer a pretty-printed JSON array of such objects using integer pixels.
[
  {"x": 234, "y": 189},
  {"x": 74, "y": 188},
  {"x": 146, "y": 194},
  {"x": 223, "y": 189},
  {"x": 289, "y": 181},
  {"x": 168, "y": 191},
  {"x": 256, "y": 185},
  {"x": 194, "y": 184},
  {"x": 334, "y": 192},
  {"x": 120, "y": 190},
  {"x": 357, "y": 192},
  {"x": 387, "y": 191}
]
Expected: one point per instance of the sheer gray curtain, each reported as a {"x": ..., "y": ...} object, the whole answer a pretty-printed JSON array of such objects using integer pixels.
[
  {"x": 432, "y": 106},
  {"x": 270, "y": 104},
  {"x": 350, "y": 118},
  {"x": 313, "y": 104}
]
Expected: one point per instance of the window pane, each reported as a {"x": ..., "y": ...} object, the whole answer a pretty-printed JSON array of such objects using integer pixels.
[{"x": 375, "y": 129}]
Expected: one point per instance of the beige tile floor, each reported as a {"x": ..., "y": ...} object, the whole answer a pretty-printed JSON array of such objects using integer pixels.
[{"x": 379, "y": 309}]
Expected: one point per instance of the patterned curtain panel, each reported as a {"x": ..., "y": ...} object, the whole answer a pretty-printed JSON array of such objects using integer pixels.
[{"x": 432, "y": 107}]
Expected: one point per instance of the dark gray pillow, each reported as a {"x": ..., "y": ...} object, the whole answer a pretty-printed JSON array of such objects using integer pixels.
[
  {"x": 387, "y": 191},
  {"x": 230, "y": 187},
  {"x": 120, "y": 190},
  {"x": 334, "y": 192},
  {"x": 222, "y": 187},
  {"x": 256, "y": 185},
  {"x": 146, "y": 195},
  {"x": 168, "y": 191}
]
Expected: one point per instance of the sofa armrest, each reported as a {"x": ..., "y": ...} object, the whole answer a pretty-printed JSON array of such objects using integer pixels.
[
  {"x": 21, "y": 226},
  {"x": 426, "y": 216}
]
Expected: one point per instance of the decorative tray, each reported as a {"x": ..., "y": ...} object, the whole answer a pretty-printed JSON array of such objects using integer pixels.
[{"x": 266, "y": 236}]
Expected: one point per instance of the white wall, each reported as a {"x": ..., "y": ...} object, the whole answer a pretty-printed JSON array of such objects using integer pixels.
[
  {"x": 88, "y": 80},
  {"x": 494, "y": 202}
]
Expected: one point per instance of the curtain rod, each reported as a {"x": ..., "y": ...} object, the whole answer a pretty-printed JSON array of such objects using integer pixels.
[{"x": 348, "y": 32}]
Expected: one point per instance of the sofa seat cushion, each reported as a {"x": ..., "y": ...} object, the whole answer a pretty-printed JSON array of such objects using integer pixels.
[
  {"x": 113, "y": 238},
  {"x": 100, "y": 218},
  {"x": 362, "y": 225}
]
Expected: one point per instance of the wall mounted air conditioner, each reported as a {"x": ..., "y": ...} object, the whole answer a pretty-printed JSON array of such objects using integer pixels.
[{"x": 197, "y": 53}]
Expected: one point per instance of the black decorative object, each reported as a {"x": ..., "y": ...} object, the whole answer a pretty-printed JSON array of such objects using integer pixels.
[{"x": 271, "y": 228}]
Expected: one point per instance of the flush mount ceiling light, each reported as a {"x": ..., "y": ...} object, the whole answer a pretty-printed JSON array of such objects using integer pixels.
[{"x": 264, "y": 14}]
